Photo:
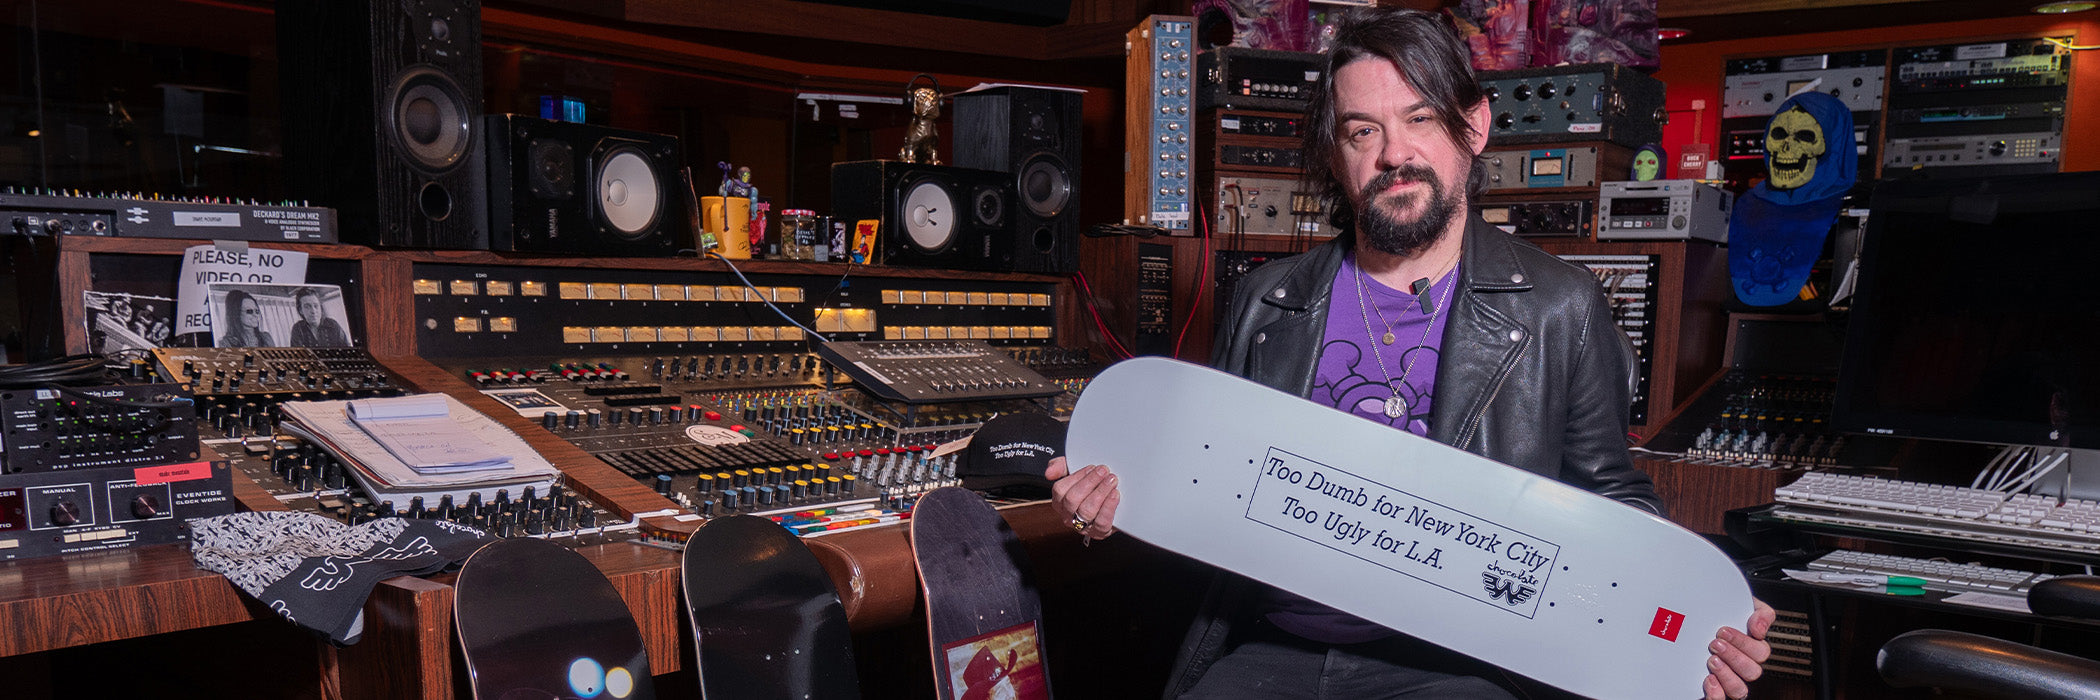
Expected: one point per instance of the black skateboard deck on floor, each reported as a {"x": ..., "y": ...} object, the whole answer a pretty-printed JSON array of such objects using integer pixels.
[
  {"x": 983, "y": 615},
  {"x": 766, "y": 620},
  {"x": 539, "y": 622}
]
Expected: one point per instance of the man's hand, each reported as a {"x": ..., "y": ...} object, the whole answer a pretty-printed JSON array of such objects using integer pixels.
[
  {"x": 1736, "y": 656},
  {"x": 1086, "y": 498}
]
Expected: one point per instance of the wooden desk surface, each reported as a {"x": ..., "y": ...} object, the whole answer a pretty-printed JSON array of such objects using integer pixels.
[
  {"x": 76, "y": 599},
  {"x": 58, "y": 602}
]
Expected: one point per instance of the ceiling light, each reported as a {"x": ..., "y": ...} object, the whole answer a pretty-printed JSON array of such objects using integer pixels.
[{"x": 2064, "y": 7}]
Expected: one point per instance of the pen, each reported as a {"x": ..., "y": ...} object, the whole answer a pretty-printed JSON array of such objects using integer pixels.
[{"x": 1855, "y": 579}]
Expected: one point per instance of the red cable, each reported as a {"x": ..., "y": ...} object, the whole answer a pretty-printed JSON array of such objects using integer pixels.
[
  {"x": 1114, "y": 344},
  {"x": 1202, "y": 278}
]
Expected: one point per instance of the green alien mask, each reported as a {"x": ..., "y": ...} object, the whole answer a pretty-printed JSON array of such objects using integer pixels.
[
  {"x": 1792, "y": 147},
  {"x": 1647, "y": 165}
]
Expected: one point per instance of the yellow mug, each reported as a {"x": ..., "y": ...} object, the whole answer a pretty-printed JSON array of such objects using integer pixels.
[{"x": 728, "y": 219}]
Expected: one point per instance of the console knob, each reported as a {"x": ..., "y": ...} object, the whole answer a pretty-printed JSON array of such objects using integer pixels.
[
  {"x": 146, "y": 506},
  {"x": 64, "y": 513}
]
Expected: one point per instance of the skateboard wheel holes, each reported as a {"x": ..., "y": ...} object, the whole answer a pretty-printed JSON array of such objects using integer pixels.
[
  {"x": 1192, "y": 482},
  {"x": 1600, "y": 620}
]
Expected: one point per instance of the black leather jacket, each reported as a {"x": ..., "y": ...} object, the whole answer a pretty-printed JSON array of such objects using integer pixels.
[{"x": 1532, "y": 373}]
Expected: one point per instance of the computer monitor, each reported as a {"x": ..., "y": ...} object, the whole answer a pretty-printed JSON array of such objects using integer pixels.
[{"x": 1977, "y": 316}]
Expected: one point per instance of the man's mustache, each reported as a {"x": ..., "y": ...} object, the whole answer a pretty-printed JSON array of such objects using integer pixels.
[{"x": 1412, "y": 171}]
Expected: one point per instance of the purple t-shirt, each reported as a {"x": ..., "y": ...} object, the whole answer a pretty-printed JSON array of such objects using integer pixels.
[{"x": 1349, "y": 377}]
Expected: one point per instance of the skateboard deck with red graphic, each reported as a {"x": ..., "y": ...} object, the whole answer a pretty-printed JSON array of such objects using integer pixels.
[
  {"x": 537, "y": 620},
  {"x": 983, "y": 616},
  {"x": 767, "y": 623},
  {"x": 1546, "y": 580}
]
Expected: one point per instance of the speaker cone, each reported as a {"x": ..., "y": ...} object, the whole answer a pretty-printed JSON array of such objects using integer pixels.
[
  {"x": 929, "y": 216},
  {"x": 1045, "y": 186},
  {"x": 430, "y": 119},
  {"x": 991, "y": 208},
  {"x": 551, "y": 168},
  {"x": 628, "y": 193}
]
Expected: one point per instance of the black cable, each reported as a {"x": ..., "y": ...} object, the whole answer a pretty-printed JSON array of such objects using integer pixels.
[
  {"x": 71, "y": 369},
  {"x": 1106, "y": 230}
]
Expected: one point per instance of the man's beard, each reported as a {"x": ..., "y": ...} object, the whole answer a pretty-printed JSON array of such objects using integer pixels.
[{"x": 1404, "y": 238}]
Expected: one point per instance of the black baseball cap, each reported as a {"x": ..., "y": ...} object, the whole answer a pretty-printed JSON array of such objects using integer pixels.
[{"x": 1007, "y": 456}]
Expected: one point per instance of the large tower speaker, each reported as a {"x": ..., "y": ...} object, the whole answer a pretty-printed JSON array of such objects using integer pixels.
[
  {"x": 929, "y": 215},
  {"x": 561, "y": 187},
  {"x": 1033, "y": 135},
  {"x": 382, "y": 117}
]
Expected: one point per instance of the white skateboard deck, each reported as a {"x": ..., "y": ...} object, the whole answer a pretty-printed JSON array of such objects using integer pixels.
[{"x": 1543, "y": 579}]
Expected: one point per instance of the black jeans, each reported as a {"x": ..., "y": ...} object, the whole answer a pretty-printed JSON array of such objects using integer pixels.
[{"x": 1272, "y": 663}]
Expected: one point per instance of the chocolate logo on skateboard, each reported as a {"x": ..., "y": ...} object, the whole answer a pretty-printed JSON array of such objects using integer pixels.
[
  {"x": 1402, "y": 532},
  {"x": 1498, "y": 587},
  {"x": 1667, "y": 623}
]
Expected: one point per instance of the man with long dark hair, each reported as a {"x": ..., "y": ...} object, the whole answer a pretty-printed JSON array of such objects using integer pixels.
[{"x": 1420, "y": 316}]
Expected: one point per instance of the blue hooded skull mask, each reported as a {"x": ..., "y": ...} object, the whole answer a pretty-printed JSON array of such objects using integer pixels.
[{"x": 1777, "y": 230}]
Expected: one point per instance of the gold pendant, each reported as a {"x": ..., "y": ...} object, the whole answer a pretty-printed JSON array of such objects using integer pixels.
[{"x": 1387, "y": 338}]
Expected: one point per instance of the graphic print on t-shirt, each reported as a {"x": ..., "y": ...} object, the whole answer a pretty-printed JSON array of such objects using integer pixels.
[{"x": 1361, "y": 389}]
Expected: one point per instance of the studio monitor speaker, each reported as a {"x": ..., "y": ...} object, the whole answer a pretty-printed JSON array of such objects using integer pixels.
[
  {"x": 382, "y": 117},
  {"x": 929, "y": 215},
  {"x": 1032, "y": 134},
  {"x": 562, "y": 187}
]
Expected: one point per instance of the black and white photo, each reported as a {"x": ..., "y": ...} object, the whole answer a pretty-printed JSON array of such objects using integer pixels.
[
  {"x": 279, "y": 315},
  {"x": 118, "y": 321}
]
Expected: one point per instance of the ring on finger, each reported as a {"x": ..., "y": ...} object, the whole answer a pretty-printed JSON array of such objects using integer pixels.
[{"x": 1080, "y": 523}]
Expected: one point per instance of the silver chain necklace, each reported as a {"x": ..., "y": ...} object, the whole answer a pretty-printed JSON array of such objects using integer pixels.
[{"x": 1395, "y": 406}]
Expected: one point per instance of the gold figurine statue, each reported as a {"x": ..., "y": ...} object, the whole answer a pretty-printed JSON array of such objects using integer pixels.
[{"x": 922, "y": 141}]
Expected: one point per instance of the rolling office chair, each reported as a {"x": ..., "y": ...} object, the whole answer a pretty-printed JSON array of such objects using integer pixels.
[{"x": 1993, "y": 668}]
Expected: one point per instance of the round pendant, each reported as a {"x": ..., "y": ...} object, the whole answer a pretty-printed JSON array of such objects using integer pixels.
[
  {"x": 1395, "y": 407},
  {"x": 1387, "y": 338}
]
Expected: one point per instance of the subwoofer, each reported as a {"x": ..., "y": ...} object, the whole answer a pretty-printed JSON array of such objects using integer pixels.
[
  {"x": 562, "y": 187},
  {"x": 929, "y": 215},
  {"x": 1033, "y": 135},
  {"x": 382, "y": 117}
]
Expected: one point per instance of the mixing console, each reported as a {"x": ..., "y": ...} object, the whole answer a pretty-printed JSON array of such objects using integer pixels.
[
  {"x": 1769, "y": 420},
  {"x": 238, "y": 390},
  {"x": 758, "y": 432},
  {"x": 936, "y": 371}
]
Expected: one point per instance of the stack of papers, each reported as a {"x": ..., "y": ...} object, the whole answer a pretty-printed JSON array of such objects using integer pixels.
[
  {"x": 419, "y": 431},
  {"x": 428, "y": 445}
]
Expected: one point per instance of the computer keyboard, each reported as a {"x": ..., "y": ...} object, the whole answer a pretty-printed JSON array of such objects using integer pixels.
[
  {"x": 1982, "y": 515},
  {"x": 1939, "y": 575}
]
